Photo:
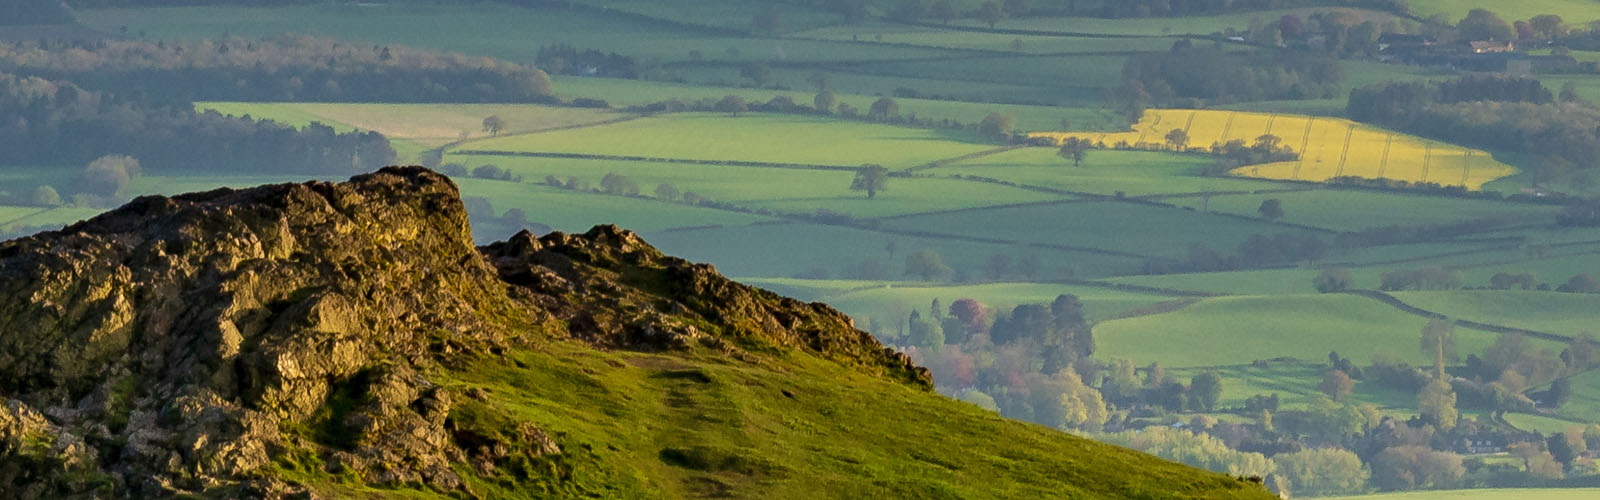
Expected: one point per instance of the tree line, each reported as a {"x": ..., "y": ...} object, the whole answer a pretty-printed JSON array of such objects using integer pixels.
[
  {"x": 284, "y": 68},
  {"x": 26, "y": 12},
  {"x": 1191, "y": 76}
]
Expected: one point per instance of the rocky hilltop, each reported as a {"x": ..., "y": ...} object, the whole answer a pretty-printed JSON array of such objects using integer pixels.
[{"x": 334, "y": 339}]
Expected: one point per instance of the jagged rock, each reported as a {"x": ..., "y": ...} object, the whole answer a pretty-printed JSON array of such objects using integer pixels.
[{"x": 185, "y": 345}]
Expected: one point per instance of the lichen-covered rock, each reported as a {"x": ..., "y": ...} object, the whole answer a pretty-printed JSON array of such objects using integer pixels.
[{"x": 191, "y": 345}]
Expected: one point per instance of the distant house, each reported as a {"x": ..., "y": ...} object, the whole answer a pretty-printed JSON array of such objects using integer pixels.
[
  {"x": 1484, "y": 443},
  {"x": 1387, "y": 41},
  {"x": 1492, "y": 47}
]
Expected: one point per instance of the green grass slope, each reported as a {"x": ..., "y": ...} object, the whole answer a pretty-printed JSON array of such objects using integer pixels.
[{"x": 668, "y": 426}]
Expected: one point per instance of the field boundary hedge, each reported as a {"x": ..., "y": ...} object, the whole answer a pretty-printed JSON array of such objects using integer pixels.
[
  {"x": 653, "y": 159},
  {"x": 1417, "y": 311}
]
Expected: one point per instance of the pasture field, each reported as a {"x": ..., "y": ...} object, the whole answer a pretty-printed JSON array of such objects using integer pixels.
[
  {"x": 1134, "y": 173},
  {"x": 1555, "y": 312},
  {"x": 1082, "y": 73},
  {"x": 781, "y": 190},
  {"x": 790, "y": 249},
  {"x": 725, "y": 14},
  {"x": 1575, "y": 11},
  {"x": 1486, "y": 494},
  {"x": 1585, "y": 402},
  {"x": 621, "y": 92},
  {"x": 577, "y": 212},
  {"x": 1295, "y": 383},
  {"x": 1161, "y": 26},
  {"x": 1098, "y": 303},
  {"x": 1328, "y": 147},
  {"x": 1356, "y": 210},
  {"x": 901, "y": 34},
  {"x": 867, "y": 84},
  {"x": 486, "y": 29},
  {"x": 749, "y": 137},
  {"x": 1211, "y": 333},
  {"x": 431, "y": 125},
  {"x": 1124, "y": 227}
]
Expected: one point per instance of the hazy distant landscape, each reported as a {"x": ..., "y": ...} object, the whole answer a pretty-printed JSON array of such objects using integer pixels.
[{"x": 1350, "y": 248}]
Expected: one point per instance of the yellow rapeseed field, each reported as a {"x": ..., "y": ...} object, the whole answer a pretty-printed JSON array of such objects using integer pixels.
[{"x": 1328, "y": 147}]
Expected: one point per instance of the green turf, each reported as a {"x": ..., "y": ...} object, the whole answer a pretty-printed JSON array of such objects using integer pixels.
[
  {"x": 793, "y": 191},
  {"x": 430, "y": 125},
  {"x": 1159, "y": 26},
  {"x": 850, "y": 83},
  {"x": 728, "y": 14},
  {"x": 1585, "y": 402},
  {"x": 1135, "y": 173},
  {"x": 748, "y": 137},
  {"x": 620, "y": 92},
  {"x": 1085, "y": 74},
  {"x": 1295, "y": 383},
  {"x": 1239, "y": 330},
  {"x": 1554, "y": 312},
  {"x": 1126, "y": 227},
  {"x": 1355, "y": 210},
  {"x": 783, "y": 250}
]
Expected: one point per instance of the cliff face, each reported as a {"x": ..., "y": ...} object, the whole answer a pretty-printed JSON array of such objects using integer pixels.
[{"x": 209, "y": 342}]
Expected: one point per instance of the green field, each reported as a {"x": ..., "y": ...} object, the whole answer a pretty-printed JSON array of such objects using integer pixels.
[
  {"x": 794, "y": 191},
  {"x": 1295, "y": 383},
  {"x": 1124, "y": 227},
  {"x": 1560, "y": 313},
  {"x": 1347, "y": 211},
  {"x": 1135, "y": 173},
  {"x": 1211, "y": 332},
  {"x": 748, "y": 137},
  {"x": 1486, "y": 494},
  {"x": 1160, "y": 26},
  {"x": 1575, "y": 11},
  {"x": 577, "y": 212},
  {"x": 430, "y": 125},
  {"x": 1099, "y": 303},
  {"x": 900, "y": 34}
]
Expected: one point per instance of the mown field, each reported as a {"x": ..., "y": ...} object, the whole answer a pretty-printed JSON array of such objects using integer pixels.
[{"x": 1328, "y": 147}]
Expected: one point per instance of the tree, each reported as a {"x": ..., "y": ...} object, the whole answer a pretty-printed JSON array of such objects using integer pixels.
[
  {"x": 944, "y": 11},
  {"x": 825, "y": 101},
  {"x": 1178, "y": 139},
  {"x": 1437, "y": 403},
  {"x": 1205, "y": 390},
  {"x": 991, "y": 13},
  {"x": 1016, "y": 8},
  {"x": 997, "y": 267},
  {"x": 973, "y": 316},
  {"x": 618, "y": 184},
  {"x": 1336, "y": 384},
  {"x": 997, "y": 125},
  {"x": 1439, "y": 341},
  {"x": 758, "y": 74},
  {"x": 1082, "y": 407},
  {"x": 108, "y": 175},
  {"x": 1271, "y": 209},
  {"x": 926, "y": 264},
  {"x": 1323, "y": 471},
  {"x": 884, "y": 109},
  {"x": 494, "y": 124},
  {"x": 1074, "y": 148},
  {"x": 1538, "y": 462},
  {"x": 1581, "y": 283},
  {"x": 1335, "y": 279},
  {"x": 766, "y": 22},
  {"x": 871, "y": 178},
  {"x": 1548, "y": 26},
  {"x": 46, "y": 196},
  {"x": 732, "y": 105},
  {"x": 666, "y": 192},
  {"x": 820, "y": 79},
  {"x": 925, "y": 334},
  {"x": 1481, "y": 24}
]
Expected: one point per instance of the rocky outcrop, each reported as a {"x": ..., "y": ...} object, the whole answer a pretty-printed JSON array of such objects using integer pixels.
[{"x": 195, "y": 344}]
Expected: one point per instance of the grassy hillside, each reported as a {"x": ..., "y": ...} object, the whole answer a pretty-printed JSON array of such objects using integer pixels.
[{"x": 1488, "y": 494}]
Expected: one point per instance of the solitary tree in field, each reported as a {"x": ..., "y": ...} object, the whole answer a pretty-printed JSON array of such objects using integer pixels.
[
  {"x": 825, "y": 101},
  {"x": 732, "y": 105},
  {"x": 819, "y": 79},
  {"x": 1074, "y": 148},
  {"x": 926, "y": 264},
  {"x": 884, "y": 109},
  {"x": 871, "y": 178},
  {"x": 1331, "y": 280},
  {"x": 991, "y": 13},
  {"x": 494, "y": 124},
  {"x": 1336, "y": 384},
  {"x": 1205, "y": 390},
  {"x": 997, "y": 125},
  {"x": 1439, "y": 341},
  {"x": 1271, "y": 210},
  {"x": 1178, "y": 139},
  {"x": 758, "y": 74},
  {"x": 666, "y": 192}
]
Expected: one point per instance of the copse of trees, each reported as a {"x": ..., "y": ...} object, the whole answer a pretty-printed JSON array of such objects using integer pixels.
[
  {"x": 282, "y": 68},
  {"x": 45, "y": 122},
  {"x": 1491, "y": 112},
  {"x": 1192, "y": 76}
]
